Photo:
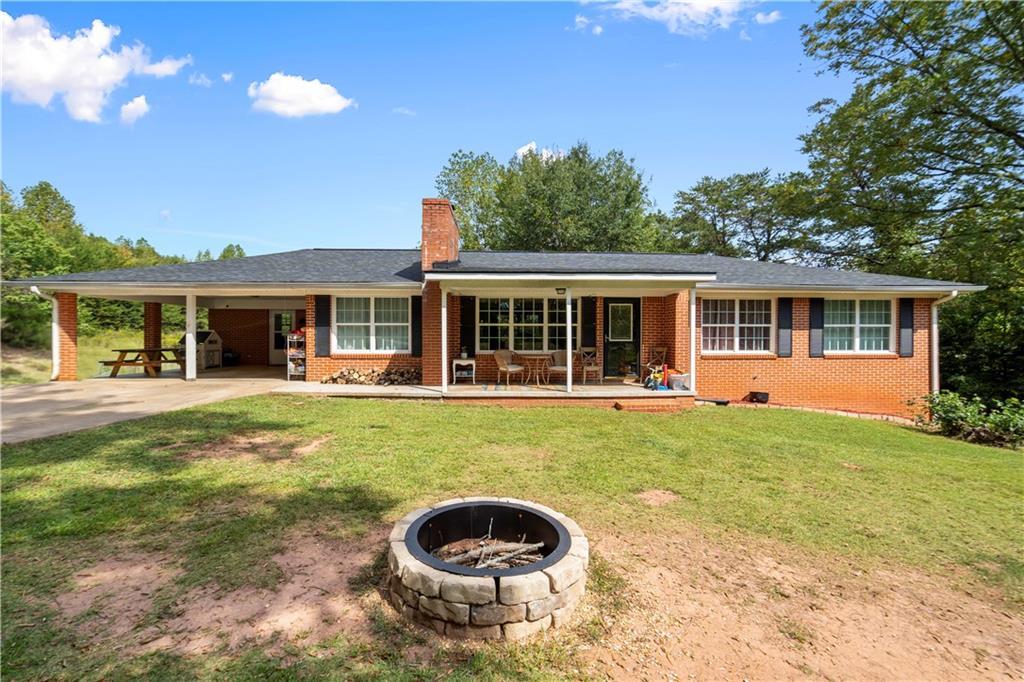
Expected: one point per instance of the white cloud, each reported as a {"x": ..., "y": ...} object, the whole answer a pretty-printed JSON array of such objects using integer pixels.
[
  {"x": 82, "y": 68},
  {"x": 597, "y": 30},
  {"x": 294, "y": 96},
  {"x": 545, "y": 154},
  {"x": 580, "y": 22},
  {"x": 404, "y": 111},
  {"x": 696, "y": 18},
  {"x": 226, "y": 77},
  {"x": 200, "y": 79},
  {"x": 165, "y": 214},
  {"x": 134, "y": 110},
  {"x": 744, "y": 35},
  {"x": 768, "y": 18}
]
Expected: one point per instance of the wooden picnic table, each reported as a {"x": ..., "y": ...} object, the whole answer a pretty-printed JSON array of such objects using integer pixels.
[{"x": 148, "y": 358}]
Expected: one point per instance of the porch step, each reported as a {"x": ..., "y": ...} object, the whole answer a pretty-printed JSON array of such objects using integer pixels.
[{"x": 653, "y": 405}]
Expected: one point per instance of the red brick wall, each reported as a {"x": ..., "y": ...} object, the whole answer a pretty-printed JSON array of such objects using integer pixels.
[
  {"x": 316, "y": 368},
  {"x": 67, "y": 324},
  {"x": 152, "y": 326},
  {"x": 876, "y": 383},
  {"x": 244, "y": 331},
  {"x": 440, "y": 239}
]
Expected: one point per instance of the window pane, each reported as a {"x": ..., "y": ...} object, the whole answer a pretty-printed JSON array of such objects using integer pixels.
[
  {"x": 755, "y": 338},
  {"x": 494, "y": 311},
  {"x": 874, "y": 312},
  {"x": 493, "y": 337},
  {"x": 874, "y": 338},
  {"x": 620, "y": 322},
  {"x": 529, "y": 337},
  {"x": 755, "y": 312},
  {"x": 718, "y": 311},
  {"x": 838, "y": 338},
  {"x": 839, "y": 312},
  {"x": 353, "y": 310},
  {"x": 528, "y": 311},
  {"x": 717, "y": 338},
  {"x": 392, "y": 336},
  {"x": 556, "y": 323},
  {"x": 354, "y": 337},
  {"x": 391, "y": 310}
]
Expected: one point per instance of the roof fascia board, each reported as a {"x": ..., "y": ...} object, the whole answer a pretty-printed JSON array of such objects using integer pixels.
[
  {"x": 214, "y": 288},
  {"x": 566, "y": 277},
  {"x": 811, "y": 290}
]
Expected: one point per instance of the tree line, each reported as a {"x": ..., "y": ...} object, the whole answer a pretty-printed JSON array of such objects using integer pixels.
[
  {"x": 919, "y": 172},
  {"x": 41, "y": 235}
]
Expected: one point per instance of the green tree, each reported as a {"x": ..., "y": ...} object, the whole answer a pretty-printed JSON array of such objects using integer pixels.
[
  {"x": 203, "y": 256},
  {"x": 470, "y": 181},
  {"x": 232, "y": 251}
]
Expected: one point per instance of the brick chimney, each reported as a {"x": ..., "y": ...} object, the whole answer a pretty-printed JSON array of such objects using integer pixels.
[{"x": 440, "y": 234}]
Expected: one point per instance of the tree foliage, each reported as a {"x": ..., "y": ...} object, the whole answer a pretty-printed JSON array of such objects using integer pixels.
[{"x": 572, "y": 201}]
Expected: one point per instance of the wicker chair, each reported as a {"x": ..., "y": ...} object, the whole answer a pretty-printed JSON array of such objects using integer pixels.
[
  {"x": 503, "y": 359},
  {"x": 558, "y": 364},
  {"x": 659, "y": 356},
  {"x": 590, "y": 365}
]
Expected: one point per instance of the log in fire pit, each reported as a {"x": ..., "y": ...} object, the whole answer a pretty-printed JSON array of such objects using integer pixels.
[{"x": 487, "y": 567}]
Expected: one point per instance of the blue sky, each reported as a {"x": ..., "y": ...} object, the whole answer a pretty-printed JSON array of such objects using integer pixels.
[{"x": 686, "y": 93}]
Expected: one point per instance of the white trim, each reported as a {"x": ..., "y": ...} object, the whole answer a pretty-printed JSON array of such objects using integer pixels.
[
  {"x": 808, "y": 290},
  {"x": 190, "y": 337},
  {"x": 372, "y": 324},
  {"x": 893, "y": 309},
  {"x": 933, "y": 361},
  {"x": 773, "y": 327},
  {"x": 567, "y": 277}
]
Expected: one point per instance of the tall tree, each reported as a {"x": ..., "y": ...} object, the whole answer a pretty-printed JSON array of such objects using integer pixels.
[
  {"x": 470, "y": 181},
  {"x": 232, "y": 251}
]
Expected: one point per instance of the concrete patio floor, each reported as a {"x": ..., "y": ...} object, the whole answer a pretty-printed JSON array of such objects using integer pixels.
[{"x": 40, "y": 410}]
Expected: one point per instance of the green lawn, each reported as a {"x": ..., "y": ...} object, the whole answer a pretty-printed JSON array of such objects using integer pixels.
[
  {"x": 867, "y": 490},
  {"x": 32, "y": 366}
]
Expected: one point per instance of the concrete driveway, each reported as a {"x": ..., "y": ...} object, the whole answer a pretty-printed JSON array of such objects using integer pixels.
[{"x": 39, "y": 410}]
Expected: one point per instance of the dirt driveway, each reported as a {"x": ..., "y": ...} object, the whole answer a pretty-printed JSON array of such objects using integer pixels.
[{"x": 40, "y": 410}]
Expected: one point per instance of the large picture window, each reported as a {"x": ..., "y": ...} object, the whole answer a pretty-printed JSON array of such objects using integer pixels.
[
  {"x": 524, "y": 324},
  {"x": 858, "y": 326},
  {"x": 736, "y": 325},
  {"x": 371, "y": 324}
]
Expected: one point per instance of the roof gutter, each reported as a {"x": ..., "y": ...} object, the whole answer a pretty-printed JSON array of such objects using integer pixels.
[
  {"x": 935, "y": 338},
  {"x": 54, "y": 332},
  {"x": 567, "y": 277}
]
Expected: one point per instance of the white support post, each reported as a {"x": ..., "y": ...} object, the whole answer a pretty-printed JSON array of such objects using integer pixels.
[
  {"x": 444, "y": 341},
  {"x": 190, "y": 337},
  {"x": 693, "y": 339},
  {"x": 569, "y": 343}
]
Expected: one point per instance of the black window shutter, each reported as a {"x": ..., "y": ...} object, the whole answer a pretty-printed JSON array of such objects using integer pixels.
[
  {"x": 467, "y": 324},
  {"x": 322, "y": 313},
  {"x": 588, "y": 320},
  {"x": 785, "y": 325},
  {"x": 907, "y": 327},
  {"x": 417, "y": 326},
  {"x": 817, "y": 338}
]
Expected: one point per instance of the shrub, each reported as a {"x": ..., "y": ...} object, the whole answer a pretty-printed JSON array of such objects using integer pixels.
[{"x": 1001, "y": 423}]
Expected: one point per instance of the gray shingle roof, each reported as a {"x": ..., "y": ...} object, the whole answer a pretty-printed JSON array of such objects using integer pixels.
[
  {"x": 729, "y": 271},
  {"x": 402, "y": 266},
  {"x": 344, "y": 266}
]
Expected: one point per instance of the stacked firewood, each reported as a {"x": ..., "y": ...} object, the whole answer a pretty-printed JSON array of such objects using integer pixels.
[
  {"x": 397, "y": 376},
  {"x": 488, "y": 552}
]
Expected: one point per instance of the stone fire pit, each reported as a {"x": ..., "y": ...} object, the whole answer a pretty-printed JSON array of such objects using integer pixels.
[{"x": 523, "y": 596}]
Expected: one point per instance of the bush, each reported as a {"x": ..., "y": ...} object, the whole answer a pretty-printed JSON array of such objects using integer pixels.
[{"x": 1001, "y": 423}]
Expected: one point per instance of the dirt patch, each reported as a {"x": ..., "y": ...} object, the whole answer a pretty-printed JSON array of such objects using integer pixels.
[
  {"x": 314, "y": 602},
  {"x": 110, "y": 598},
  {"x": 263, "y": 447},
  {"x": 312, "y": 446},
  {"x": 852, "y": 467},
  {"x": 702, "y": 608},
  {"x": 657, "y": 498}
]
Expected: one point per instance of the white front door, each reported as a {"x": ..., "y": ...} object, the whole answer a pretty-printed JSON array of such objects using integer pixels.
[{"x": 281, "y": 322}]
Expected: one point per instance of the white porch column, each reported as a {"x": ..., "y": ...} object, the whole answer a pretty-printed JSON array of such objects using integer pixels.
[
  {"x": 693, "y": 339},
  {"x": 190, "y": 337},
  {"x": 444, "y": 341},
  {"x": 569, "y": 343}
]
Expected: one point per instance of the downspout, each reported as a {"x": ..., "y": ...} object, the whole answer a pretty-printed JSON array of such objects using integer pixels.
[
  {"x": 54, "y": 331},
  {"x": 935, "y": 338}
]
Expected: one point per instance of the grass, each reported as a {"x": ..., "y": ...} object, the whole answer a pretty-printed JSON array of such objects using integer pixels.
[
  {"x": 912, "y": 499},
  {"x": 32, "y": 366}
]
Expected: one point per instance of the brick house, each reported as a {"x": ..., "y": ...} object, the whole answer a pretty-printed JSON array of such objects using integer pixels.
[{"x": 805, "y": 336}]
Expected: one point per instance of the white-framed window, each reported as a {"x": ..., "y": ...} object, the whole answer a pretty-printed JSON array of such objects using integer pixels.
[
  {"x": 858, "y": 326},
  {"x": 524, "y": 324},
  {"x": 371, "y": 324},
  {"x": 737, "y": 325},
  {"x": 620, "y": 321}
]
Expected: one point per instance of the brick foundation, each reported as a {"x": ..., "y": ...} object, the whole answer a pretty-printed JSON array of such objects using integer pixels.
[{"x": 67, "y": 323}]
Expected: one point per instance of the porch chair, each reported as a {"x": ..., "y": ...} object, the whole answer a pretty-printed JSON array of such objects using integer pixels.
[
  {"x": 558, "y": 364},
  {"x": 590, "y": 365},
  {"x": 503, "y": 359},
  {"x": 659, "y": 356}
]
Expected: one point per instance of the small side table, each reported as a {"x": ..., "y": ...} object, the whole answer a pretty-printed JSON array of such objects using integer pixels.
[{"x": 469, "y": 363}]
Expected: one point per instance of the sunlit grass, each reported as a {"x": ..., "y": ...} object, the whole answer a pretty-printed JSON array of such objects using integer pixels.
[{"x": 32, "y": 366}]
